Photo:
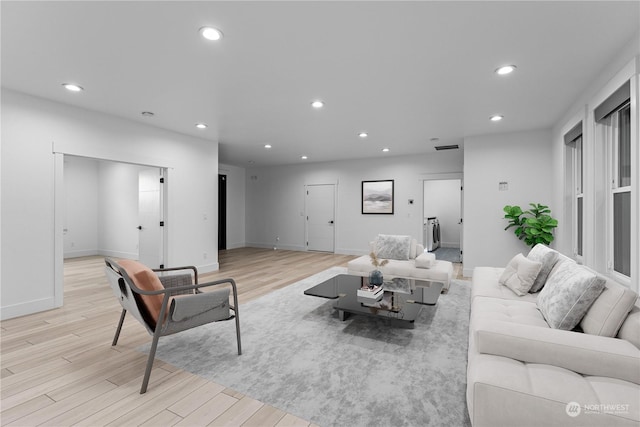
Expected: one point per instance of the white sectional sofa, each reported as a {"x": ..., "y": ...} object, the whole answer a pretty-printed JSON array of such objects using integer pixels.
[
  {"x": 406, "y": 258},
  {"x": 522, "y": 372}
]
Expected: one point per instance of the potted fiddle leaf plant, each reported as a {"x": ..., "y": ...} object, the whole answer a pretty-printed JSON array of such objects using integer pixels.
[{"x": 534, "y": 225}]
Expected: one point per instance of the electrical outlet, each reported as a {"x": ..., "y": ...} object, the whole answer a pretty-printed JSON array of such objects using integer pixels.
[
  {"x": 277, "y": 238},
  {"x": 204, "y": 255}
]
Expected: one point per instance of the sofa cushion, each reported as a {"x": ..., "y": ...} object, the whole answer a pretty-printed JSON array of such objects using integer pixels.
[
  {"x": 412, "y": 249},
  {"x": 440, "y": 271},
  {"x": 485, "y": 284},
  {"x": 425, "y": 260},
  {"x": 578, "y": 352},
  {"x": 547, "y": 257},
  {"x": 507, "y": 392},
  {"x": 630, "y": 329},
  {"x": 510, "y": 311},
  {"x": 520, "y": 274},
  {"x": 393, "y": 246},
  {"x": 147, "y": 280},
  {"x": 609, "y": 310},
  {"x": 569, "y": 292}
]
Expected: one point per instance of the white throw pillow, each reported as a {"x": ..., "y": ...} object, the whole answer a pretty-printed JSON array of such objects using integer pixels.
[
  {"x": 548, "y": 257},
  {"x": 425, "y": 260},
  {"x": 520, "y": 274},
  {"x": 569, "y": 292},
  {"x": 393, "y": 247}
]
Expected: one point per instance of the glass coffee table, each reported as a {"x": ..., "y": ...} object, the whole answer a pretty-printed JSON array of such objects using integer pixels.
[{"x": 400, "y": 300}]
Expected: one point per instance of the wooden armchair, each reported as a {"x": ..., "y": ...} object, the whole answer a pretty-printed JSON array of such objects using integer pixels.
[{"x": 165, "y": 305}]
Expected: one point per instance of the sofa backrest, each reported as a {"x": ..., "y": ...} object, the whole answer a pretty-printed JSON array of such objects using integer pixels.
[
  {"x": 609, "y": 310},
  {"x": 630, "y": 329}
]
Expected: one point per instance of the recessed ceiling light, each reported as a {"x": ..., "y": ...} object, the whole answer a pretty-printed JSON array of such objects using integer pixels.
[
  {"x": 506, "y": 69},
  {"x": 385, "y": 150},
  {"x": 496, "y": 118},
  {"x": 363, "y": 134},
  {"x": 147, "y": 114},
  {"x": 267, "y": 146},
  {"x": 317, "y": 104},
  {"x": 72, "y": 87},
  {"x": 211, "y": 33},
  {"x": 304, "y": 157},
  {"x": 201, "y": 125}
]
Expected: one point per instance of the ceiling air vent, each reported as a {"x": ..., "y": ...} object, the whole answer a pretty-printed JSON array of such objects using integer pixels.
[{"x": 446, "y": 147}]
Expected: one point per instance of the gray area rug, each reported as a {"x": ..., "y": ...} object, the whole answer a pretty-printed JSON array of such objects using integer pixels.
[
  {"x": 448, "y": 254},
  {"x": 299, "y": 357}
]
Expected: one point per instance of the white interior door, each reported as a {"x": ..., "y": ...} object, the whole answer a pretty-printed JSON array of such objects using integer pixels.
[
  {"x": 149, "y": 215},
  {"x": 320, "y": 216}
]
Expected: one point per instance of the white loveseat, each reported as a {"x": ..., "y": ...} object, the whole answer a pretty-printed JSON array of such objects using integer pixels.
[
  {"x": 522, "y": 372},
  {"x": 412, "y": 263}
]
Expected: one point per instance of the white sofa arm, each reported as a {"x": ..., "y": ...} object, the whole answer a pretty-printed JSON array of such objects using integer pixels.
[{"x": 582, "y": 353}]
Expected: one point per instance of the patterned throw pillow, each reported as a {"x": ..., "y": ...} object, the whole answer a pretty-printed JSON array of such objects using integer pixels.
[
  {"x": 393, "y": 247},
  {"x": 568, "y": 294},
  {"x": 520, "y": 274},
  {"x": 548, "y": 257}
]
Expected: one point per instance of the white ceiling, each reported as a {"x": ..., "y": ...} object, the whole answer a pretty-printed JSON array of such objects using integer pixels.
[{"x": 405, "y": 72}]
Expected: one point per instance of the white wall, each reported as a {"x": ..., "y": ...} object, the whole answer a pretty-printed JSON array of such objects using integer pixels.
[
  {"x": 32, "y": 130},
  {"x": 81, "y": 207},
  {"x": 625, "y": 65},
  {"x": 442, "y": 200},
  {"x": 118, "y": 210},
  {"x": 275, "y": 199},
  {"x": 521, "y": 159},
  {"x": 101, "y": 213},
  {"x": 236, "y": 183}
]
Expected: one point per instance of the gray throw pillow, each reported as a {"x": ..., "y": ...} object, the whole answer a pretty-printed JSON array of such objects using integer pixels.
[
  {"x": 393, "y": 247},
  {"x": 568, "y": 294},
  {"x": 547, "y": 257}
]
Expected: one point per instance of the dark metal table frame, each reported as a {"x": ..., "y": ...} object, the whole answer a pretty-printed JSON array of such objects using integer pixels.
[{"x": 406, "y": 296}]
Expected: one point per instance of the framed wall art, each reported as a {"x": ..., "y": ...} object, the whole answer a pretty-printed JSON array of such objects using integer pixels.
[{"x": 377, "y": 197}]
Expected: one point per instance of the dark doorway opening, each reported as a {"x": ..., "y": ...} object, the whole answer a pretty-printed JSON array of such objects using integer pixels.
[{"x": 222, "y": 212}]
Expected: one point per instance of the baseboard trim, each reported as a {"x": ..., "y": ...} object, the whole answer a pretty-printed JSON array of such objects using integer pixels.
[
  {"x": 29, "y": 307},
  {"x": 81, "y": 253},
  {"x": 276, "y": 247},
  {"x": 117, "y": 254},
  {"x": 236, "y": 245},
  {"x": 208, "y": 268}
]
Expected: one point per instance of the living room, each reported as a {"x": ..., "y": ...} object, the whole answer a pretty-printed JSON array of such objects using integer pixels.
[{"x": 520, "y": 160}]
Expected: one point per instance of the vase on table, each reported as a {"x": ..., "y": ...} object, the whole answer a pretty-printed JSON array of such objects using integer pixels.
[{"x": 375, "y": 278}]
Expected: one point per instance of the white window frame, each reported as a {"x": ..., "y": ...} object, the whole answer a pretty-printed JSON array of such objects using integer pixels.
[
  {"x": 577, "y": 154},
  {"x": 612, "y": 140}
]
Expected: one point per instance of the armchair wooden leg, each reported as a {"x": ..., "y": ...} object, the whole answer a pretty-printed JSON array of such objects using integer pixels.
[
  {"x": 115, "y": 338},
  {"x": 238, "y": 330},
  {"x": 234, "y": 288},
  {"x": 152, "y": 356}
]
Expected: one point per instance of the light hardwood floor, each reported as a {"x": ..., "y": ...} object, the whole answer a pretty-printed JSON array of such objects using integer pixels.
[{"x": 58, "y": 367}]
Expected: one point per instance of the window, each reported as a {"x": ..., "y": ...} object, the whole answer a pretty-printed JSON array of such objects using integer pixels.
[
  {"x": 613, "y": 118},
  {"x": 579, "y": 179},
  {"x": 573, "y": 140},
  {"x": 620, "y": 199}
]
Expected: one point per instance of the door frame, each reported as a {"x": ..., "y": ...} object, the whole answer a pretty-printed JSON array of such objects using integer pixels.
[
  {"x": 58, "y": 216},
  {"x": 447, "y": 177},
  {"x": 306, "y": 213}
]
